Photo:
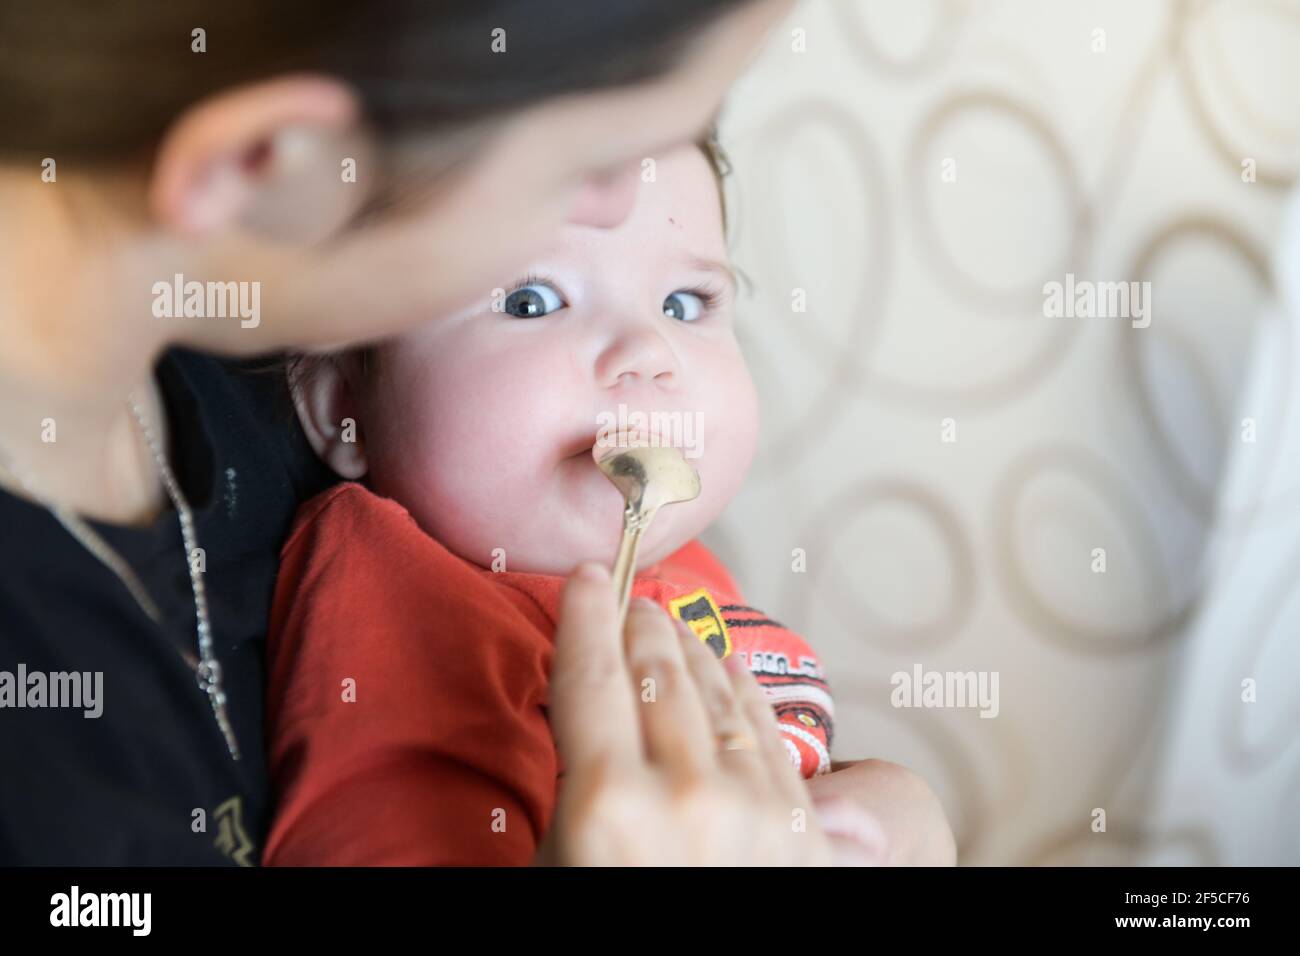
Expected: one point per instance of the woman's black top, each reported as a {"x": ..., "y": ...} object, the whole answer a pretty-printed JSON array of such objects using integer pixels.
[{"x": 138, "y": 772}]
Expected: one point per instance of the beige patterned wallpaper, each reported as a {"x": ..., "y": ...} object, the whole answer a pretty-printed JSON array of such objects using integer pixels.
[{"x": 1100, "y": 512}]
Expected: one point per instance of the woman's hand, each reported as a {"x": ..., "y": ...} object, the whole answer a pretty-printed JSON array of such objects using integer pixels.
[
  {"x": 906, "y": 823},
  {"x": 671, "y": 757}
]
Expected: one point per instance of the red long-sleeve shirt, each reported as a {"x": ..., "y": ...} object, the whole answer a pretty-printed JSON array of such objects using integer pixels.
[{"x": 407, "y": 689}]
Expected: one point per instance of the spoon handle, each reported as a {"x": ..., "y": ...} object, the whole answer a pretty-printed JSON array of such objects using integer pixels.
[{"x": 624, "y": 570}]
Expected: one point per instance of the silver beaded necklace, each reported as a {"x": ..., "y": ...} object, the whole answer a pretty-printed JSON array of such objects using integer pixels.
[{"x": 206, "y": 667}]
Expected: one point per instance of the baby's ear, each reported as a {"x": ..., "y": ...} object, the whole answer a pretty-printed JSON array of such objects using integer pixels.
[{"x": 325, "y": 395}]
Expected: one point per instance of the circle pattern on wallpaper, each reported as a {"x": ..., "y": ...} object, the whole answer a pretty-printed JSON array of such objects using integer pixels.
[
  {"x": 816, "y": 173},
  {"x": 1184, "y": 361},
  {"x": 918, "y": 35},
  {"x": 987, "y": 303},
  {"x": 891, "y": 563},
  {"x": 843, "y": 278},
  {"x": 1012, "y": 170},
  {"x": 1054, "y": 508},
  {"x": 794, "y": 425},
  {"x": 1230, "y": 56}
]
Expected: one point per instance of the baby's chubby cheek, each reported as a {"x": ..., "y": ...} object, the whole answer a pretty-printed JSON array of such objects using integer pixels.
[
  {"x": 463, "y": 445},
  {"x": 476, "y": 452}
]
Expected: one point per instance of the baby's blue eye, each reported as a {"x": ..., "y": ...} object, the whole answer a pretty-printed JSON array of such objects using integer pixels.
[
  {"x": 533, "y": 301},
  {"x": 686, "y": 306}
]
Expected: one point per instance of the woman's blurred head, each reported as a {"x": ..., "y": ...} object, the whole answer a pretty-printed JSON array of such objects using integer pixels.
[{"x": 367, "y": 164}]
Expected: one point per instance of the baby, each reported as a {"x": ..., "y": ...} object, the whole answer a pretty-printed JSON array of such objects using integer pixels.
[{"x": 414, "y": 617}]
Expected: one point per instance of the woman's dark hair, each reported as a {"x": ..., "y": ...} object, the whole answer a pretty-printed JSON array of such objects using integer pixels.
[{"x": 102, "y": 79}]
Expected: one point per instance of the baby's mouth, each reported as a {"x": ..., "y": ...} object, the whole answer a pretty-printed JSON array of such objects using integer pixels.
[
  {"x": 607, "y": 442},
  {"x": 610, "y": 438},
  {"x": 578, "y": 449}
]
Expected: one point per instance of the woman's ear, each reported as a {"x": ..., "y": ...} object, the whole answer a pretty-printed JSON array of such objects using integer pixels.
[
  {"x": 326, "y": 400},
  {"x": 270, "y": 157}
]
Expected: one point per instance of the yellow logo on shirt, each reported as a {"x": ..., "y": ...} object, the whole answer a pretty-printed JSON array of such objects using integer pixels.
[{"x": 700, "y": 613}]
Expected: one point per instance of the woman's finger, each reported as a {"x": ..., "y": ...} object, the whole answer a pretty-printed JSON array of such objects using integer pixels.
[
  {"x": 726, "y": 720},
  {"x": 782, "y": 777},
  {"x": 677, "y": 731},
  {"x": 592, "y": 715}
]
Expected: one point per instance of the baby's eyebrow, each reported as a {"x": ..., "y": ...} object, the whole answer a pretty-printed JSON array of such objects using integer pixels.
[{"x": 705, "y": 264}]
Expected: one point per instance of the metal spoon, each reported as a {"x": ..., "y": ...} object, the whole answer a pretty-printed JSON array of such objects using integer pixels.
[{"x": 648, "y": 478}]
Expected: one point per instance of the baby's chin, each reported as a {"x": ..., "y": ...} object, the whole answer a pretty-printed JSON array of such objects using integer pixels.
[
  {"x": 561, "y": 547},
  {"x": 559, "y": 538}
]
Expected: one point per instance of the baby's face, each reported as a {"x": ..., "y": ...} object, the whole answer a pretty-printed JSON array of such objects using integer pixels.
[{"x": 482, "y": 424}]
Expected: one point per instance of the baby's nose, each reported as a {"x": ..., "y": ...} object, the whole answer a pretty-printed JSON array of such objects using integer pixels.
[{"x": 642, "y": 355}]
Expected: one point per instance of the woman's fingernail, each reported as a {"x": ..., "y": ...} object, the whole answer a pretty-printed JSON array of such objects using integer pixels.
[
  {"x": 734, "y": 664},
  {"x": 591, "y": 571}
]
